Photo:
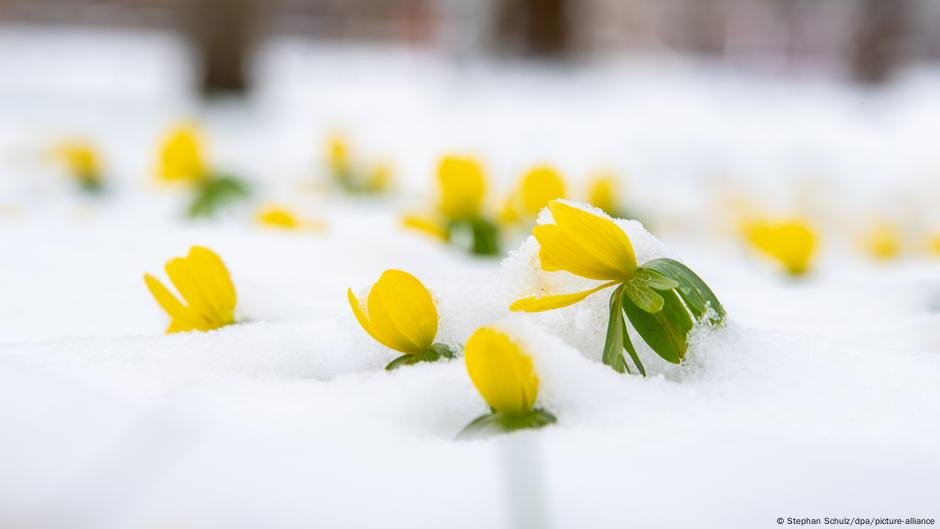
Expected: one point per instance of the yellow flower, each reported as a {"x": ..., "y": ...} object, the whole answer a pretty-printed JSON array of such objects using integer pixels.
[
  {"x": 883, "y": 242},
  {"x": 206, "y": 287},
  {"x": 398, "y": 313},
  {"x": 338, "y": 153},
  {"x": 602, "y": 193},
  {"x": 426, "y": 225},
  {"x": 380, "y": 177},
  {"x": 935, "y": 244},
  {"x": 462, "y": 187},
  {"x": 585, "y": 245},
  {"x": 501, "y": 371},
  {"x": 537, "y": 187},
  {"x": 181, "y": 156},
  {"x": 280, "y": 217},
  {"x": 82, "y": 160},
  {"x": 790, "y": 242}
]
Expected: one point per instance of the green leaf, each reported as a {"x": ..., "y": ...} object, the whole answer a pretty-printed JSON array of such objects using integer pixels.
[
  {"x": 495, "y": 423},
  {"x": 616, "y": 331},
  {"x": 403, "y": 360},
  {"x": 654, "y": 279},
  {"x": 628, "y": 345},
  {"x": 643, "y": 296},
  {"x": 216, "y": 191},
  {"x": 693, "y": 290},
  {"x": 442, "y": 351},
  {"x": 665, "y": 331}
]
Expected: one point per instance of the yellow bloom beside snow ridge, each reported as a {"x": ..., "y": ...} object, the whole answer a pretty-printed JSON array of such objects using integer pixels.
[
  {"x": 399, "y": 313},
  {"x": 205, "y": 286},
  {"x": 505, "y": 376}
]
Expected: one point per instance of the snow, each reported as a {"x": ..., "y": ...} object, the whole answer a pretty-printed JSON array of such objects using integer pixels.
[{"x": 819, "y": 398}]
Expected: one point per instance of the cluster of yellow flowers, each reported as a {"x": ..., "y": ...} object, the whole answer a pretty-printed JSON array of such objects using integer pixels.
[{"x": 399, "y": 312}]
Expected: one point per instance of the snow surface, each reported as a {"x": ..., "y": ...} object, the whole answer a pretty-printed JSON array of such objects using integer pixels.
[{"x": 819, "y": 398}]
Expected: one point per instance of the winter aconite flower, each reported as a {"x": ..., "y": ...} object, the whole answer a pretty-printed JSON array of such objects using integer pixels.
[
  {"x": 883, "y": 241},
  {"x": 459, "y": 215},
  {"x": 398, "y": 312},
  {"x": 505, "y": 377},
  {"x": 182, "y": 159},
  {"x": 536, "y": 188},
  {"x": 208, "y": 295},
  {"x": 348, "y": 174},
  {"x": 280, "y": 217},
  {"x": 602, "y": 193},
  {"x": 82, "y": 161},
  {"x": 790, "y": 242},
  {"x": 660, "y": 298}
]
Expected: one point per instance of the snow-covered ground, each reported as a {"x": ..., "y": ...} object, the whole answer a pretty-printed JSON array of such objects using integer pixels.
[{"x": 820, "y": 398}]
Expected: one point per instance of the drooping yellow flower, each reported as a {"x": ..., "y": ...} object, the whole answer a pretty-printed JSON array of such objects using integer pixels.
[
  {"x": 275, "y": 216},
  {"x": 791, "y": 242},
  {"x": 883, "y": 242},
  {"x": 205, "y": 286},
  {"x": 398, "y": 312},
  {"x": 181, "y": 157},
  {"x": 81, "y": 159},
  {"x": 501, "y": 371},
  {"x": 461, "y": 186},
  {"x": 584, "y": 244},
  {"x": 602, "y": 193},
  {"x": 538, "y": 186}
]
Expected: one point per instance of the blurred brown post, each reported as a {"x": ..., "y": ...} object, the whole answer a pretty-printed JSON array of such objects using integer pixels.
[
  {"x": 535, "y": 27},
  {"x": 222, "y": 34},
  {"x": 877, "y": 50}
]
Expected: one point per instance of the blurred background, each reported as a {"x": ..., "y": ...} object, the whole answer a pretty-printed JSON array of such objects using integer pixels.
[{"x": 863, "y": 40}]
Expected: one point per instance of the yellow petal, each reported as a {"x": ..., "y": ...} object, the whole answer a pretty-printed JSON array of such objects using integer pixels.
[
  {"x": 215, "y": 281},
  {"x": 501, "y": 371},
  {"x": 181, "y": 156},
  {"x": 584, "y": 244},
  {"x": 180, "y": 317},
  {"x": 400, "y": 313},
  {"x": 543, "y": 303},
  {"x": 538, "y": 186},
  {"x": 462, "y": 186},
  {"x": 425, "y": 225}
]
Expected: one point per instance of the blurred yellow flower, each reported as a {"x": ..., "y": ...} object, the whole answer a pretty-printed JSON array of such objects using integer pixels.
[
  {"x": 883, "y": 241},
  {"x": 82, "y": 161},
  {"x": 206, "y": 287},
  {"x": 181, "y": 157},
  {"x": 380, "y": 177},
  {"x": 501, "y": 371},
  {"x": 790, "y": 242},
  {"x": 461, "y": 187},
  {"x": 280, "y": 217},
  {"x": 337, "y": 153},
  {"x": 935, "y": 244},
  {"x": 426, "y": 225},
  {"x": 399, "y": 313},
  {"x": 585, "y": 245},
  {"x": 602, "y": 193},
  {"x": 538, "y": 186}
]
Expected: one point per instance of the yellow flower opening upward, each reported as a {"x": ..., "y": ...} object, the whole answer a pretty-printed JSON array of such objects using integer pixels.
[
  {"x": 501, "y": 371},
  {"x": 538, "y": 186},
  {"x": 337, "y": 153},
  {"x": 181, "y": 156},
  {"x": 205, "y": 286},
  {"x": 792, "y": 242},
  {"x": 398, "y": 313},
  {"x": 584, "y": 244},
  {"x": 462, "y": 187}
]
